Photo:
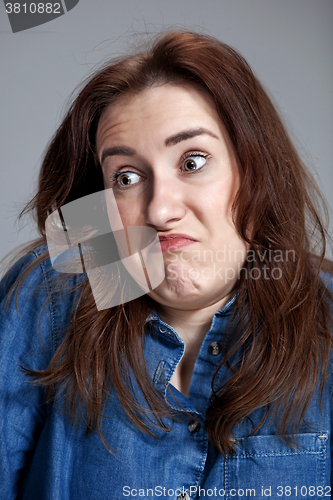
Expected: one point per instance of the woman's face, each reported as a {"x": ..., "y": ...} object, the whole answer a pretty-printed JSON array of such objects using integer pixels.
[{"x": 171, "y": 165}]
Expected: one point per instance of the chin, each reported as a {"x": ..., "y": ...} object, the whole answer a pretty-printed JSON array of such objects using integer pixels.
[
  {"x": 177, "y": 291},
  {"x": 181, "y": 288}
]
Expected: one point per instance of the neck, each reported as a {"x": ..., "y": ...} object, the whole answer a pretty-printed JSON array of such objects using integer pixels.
[{"x": 191, "y": 324}]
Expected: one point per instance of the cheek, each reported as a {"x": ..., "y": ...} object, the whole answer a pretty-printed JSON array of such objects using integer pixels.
[
  {"x": 216, "y": 207},
  {"x": 131, "y": 205},
  {"x": 128, "y": 218},
  {"x": 218, "y": 218},
  {"x": 131, "y": 214}
]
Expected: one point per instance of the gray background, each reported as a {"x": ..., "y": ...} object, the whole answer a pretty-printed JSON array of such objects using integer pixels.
[{"x": 288, "y": 43}]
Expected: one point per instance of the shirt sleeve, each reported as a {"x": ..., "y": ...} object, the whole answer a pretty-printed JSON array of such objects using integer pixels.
[{"x": 29, "y": 321}]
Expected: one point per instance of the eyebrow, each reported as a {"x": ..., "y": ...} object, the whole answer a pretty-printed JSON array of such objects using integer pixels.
[
  {"x": 170, "y": 141},
  {"x": 117, "y": 150},
  {"x": 188, "y": 134}
]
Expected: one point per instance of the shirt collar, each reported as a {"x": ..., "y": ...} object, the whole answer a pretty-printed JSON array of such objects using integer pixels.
[{"x": 165, "y": 347}]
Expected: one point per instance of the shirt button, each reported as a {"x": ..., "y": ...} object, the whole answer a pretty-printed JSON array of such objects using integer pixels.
[
  {"x": 215, "y": 348},
  {"x": 194, "y": 426},
  {"x": 183, "y": 496}
]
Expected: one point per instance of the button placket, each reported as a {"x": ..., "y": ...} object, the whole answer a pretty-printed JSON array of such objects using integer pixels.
[
  {"x": 194, "y": 426},
  {"x": 183, "y": 496},
  {"x": 215, "y": 348}
]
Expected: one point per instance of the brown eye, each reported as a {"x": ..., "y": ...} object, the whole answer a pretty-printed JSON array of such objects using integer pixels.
[
  {"x": 194, "y": 162},
  {"x": 190, "y": 165},
  {"x": 125, "y": 179}
]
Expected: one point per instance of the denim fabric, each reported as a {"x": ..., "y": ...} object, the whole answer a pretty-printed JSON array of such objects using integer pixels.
[{"x": 43, "y": 456}]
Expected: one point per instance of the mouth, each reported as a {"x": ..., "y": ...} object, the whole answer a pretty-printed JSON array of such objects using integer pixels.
[{"x": 175, "y": 241}]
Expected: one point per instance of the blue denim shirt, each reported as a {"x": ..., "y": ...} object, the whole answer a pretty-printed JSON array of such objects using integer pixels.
[{"x": 43, "y": 456}]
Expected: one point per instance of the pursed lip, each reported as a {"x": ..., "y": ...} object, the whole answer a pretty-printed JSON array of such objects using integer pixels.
[{"x": 174, "y": 241}]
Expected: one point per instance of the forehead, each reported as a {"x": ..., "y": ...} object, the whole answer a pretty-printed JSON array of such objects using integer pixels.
[{"x": 158, "y": 112}]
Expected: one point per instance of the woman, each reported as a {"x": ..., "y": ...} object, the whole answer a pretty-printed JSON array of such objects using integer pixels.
[{"x": 217, "y": 382}]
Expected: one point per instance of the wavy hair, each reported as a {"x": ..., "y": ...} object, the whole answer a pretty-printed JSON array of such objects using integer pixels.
[{"x": 281, "y": 329}]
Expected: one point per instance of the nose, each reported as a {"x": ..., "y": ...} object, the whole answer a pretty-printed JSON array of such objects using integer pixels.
[{"x": 165, "y": 205}]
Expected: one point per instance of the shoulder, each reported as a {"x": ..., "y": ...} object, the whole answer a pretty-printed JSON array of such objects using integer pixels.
[
  {"x": 35, "y": 297},
  {"x": 36, "y": 267}
]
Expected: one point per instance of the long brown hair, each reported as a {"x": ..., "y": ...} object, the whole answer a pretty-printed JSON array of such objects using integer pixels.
[{"x": 281, "y": 327}]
